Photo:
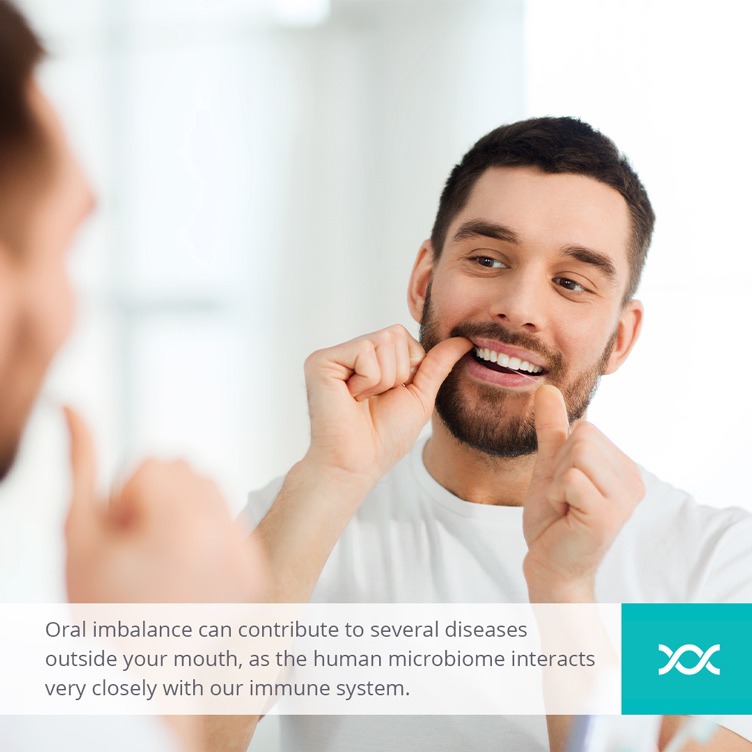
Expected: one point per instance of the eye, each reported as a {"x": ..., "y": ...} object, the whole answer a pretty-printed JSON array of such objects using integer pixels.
[
  {"x": 490, "y": 263},
  {"x": 569, "y": 284}
]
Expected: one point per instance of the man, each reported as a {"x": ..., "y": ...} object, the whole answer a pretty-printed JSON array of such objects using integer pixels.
[
  {"x": 167, "y": 535},
  {"x": 525, "y": 292}
]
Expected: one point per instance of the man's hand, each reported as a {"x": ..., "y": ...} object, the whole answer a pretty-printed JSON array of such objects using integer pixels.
[
  {"x": 167, "y": 537},
  {"x": 583, "y": 491},
  {"x": 369, "y": 399}
]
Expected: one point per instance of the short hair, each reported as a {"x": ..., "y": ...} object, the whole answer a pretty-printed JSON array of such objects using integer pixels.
[
  {"x": 22, "y": 143},
  {"x": 553, "y": 145}
]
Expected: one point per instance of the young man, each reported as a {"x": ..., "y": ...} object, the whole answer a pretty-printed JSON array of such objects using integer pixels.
[
  {"x": 525, "y": 292},
  {"x": 167, "y": 536}
]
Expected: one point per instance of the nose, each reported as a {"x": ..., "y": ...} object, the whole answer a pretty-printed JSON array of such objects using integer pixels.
[{"x": 519, "y": 302}]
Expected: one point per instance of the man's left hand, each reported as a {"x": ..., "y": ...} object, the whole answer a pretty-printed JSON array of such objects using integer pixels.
[{"x": 582, "y": 492}]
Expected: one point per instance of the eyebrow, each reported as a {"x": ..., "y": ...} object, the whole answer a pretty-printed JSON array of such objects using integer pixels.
[
  {"x": 595, "y": 258},
  {"x": 477, "y": 227}
]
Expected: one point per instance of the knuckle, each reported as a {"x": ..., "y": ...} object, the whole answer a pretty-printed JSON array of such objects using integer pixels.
[
  {"x": 638, "y": 483},
  {"x": 371, "y": 379},
  {"x": 584, "y": 431},
  {"x": 384, "y": 337},
  {"x": 579, "y": 452},
  {"x": 312, "y": 361},
  {"x": 147, "y": 468},
  {"x": 571, "y": 477}
]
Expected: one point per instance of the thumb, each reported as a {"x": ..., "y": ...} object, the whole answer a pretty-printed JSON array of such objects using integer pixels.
[
  {"x": 83, "y": 471},
  {"x": 551, "y": 424},
  {"x": 435, "y": 367}
]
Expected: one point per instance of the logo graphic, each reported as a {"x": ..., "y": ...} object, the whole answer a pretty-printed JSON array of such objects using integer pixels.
[
  {"x": 683, "y": 686},
  {"x": 704, "y": 661}
]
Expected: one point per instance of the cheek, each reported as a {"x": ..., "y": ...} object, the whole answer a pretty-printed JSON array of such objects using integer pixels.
[
  {"x": 458, "y": 299},
  {"x": 585, "y": 342},
  {"x": 50, "y": 309}
]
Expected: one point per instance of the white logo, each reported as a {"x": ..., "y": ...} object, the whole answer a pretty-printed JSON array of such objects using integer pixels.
[{"x": 704, "y": 661}]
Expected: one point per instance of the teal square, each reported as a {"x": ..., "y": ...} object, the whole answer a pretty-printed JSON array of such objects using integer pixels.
[{"x": 699, "y": 691}]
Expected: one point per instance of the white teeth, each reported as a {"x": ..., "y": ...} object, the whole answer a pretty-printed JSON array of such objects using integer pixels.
[{"x": 485, "y": 353}]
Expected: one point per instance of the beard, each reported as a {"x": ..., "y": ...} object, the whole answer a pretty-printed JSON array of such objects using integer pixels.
[
  {"x": 7, "y": 459},
  {"x": 495, "y": 421}
]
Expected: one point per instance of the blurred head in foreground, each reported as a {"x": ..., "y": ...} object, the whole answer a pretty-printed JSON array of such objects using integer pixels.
[
  {"x": 167, "y": 535},
  {"x": 43, "y": 199}
]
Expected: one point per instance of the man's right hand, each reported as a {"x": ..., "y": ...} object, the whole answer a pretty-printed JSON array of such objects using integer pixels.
[{"x": 370, "y": 397}]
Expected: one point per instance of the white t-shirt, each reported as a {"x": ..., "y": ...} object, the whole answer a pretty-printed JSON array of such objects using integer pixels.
[{"x": 412, "y": 541}]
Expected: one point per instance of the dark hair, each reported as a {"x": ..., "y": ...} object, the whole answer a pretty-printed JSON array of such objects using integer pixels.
[
  {"x": 22, "y": 144},
  {"x": 553, "y": 145}
]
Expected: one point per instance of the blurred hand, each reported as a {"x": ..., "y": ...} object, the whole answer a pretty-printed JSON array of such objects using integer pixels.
[
  {"x": 369, "y": 398},
  {"x": 583, "y": 491},
  {"x": 166, "y": 538}
]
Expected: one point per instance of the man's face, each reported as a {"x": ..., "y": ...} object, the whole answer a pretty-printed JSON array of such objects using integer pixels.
[
  {"x": 36, "y": 311},
  {"x": 533, "y": 272}
]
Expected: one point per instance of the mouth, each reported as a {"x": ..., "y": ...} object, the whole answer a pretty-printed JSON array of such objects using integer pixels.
[{"x": 503, "y": 363}]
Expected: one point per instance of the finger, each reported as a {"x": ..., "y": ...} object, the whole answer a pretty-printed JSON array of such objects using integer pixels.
[
  {"x": 340, "y": 363},
  {"x": 366, "y": 371},
  {"x": 170, "y": 488},
  {"x": 436, "y": 366},
  {"x": 588, "y": 510},
  {"x": 386, "y": 355},
  {"x": 551, "y": 425},
  {"x": 402, "y": 353},
  {"x": 156, "y": 488},
  {"x": 614, "y": 474},
  {"x": 384, "y": 344},
  {"x": 83, "y": 508},
  {"x": 589, "y": 451},
  {"x": 577, "y": 491},
  {"x": 416, "y": 353}
]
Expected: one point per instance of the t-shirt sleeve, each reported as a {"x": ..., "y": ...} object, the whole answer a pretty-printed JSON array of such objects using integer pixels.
[{"x": 729, "y": 575}]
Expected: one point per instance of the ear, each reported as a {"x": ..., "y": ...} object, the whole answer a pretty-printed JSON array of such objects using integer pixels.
[
  {"x": 419, "y": 280},
  {"x": 630, "y": 324}
]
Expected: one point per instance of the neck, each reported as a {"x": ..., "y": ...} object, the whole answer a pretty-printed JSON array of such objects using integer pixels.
[{"x": 473, "y": 475}]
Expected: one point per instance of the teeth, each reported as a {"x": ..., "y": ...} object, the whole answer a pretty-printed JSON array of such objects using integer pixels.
[{"x": 485, "y": 353}]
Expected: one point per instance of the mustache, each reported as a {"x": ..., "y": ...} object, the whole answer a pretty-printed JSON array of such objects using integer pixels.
[{"x": 554, "y": 360}]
